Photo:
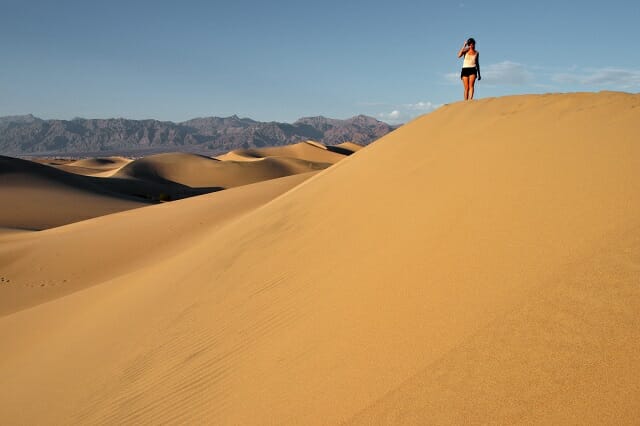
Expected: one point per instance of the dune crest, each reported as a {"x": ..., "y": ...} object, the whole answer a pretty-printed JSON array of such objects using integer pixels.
[
  {"x": 101, "y": 162},
  {"x": 479, "y": 264},
  {"x": 37, "y": 196},
  {"x": 45, "y": 193},
  {"x": 198, "y": 171},
  {"x": 98, "y": 167},
  {"x": 309, "y": 150}
]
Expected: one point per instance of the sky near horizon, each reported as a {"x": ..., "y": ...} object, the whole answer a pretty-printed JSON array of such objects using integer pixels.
[{"x": 281, "y": 60}]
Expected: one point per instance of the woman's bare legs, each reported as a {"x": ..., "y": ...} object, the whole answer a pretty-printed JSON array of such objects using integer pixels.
[
  {"x": 472, "y": 82},
  {"x": 465, "y": 83}
]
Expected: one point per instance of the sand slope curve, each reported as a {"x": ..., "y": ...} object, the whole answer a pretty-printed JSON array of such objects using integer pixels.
[
  {"x": 309, "y": 151},
  {"x": 37, "y": 196},
  {"x": 489, "y": 277},
  {"x": 198, "y": 171},
  {"x": 86, "y": 253}
]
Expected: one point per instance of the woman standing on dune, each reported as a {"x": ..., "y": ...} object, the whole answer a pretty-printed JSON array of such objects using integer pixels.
[{"x": 470, "y": 67}]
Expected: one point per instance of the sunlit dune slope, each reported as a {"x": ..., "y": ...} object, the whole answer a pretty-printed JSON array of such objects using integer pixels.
[
  {"x": 310, "y": 151},
  {"x": 35, "y": 196},
  {"x": 52, "y": 263},
  {"x": 99, "y": 167},
  {"x": 478, "y": 265},
  {"x": 198, "y": 171}
]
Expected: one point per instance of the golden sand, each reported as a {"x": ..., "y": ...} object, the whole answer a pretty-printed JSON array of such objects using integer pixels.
[{"x": 478, "y": 265}]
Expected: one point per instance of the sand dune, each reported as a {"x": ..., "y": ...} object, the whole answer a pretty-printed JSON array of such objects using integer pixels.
[
  {"x": 82, "y": 254},
  {"x": 198, "y": 171},
  {"x": 489, "y": 277},
  {"x": 42, "y": 197},
  {"x": 309, "y": 151},
  {"x": 350, "y": 146},
  {"x": 103, "y": 163},
  {"x": 99, "y": 167},
  {"x": 36, "y": 196}
]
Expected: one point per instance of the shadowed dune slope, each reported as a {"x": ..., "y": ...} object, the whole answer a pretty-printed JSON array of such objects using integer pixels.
[
  {"x": 310, "y": 151},
  {"x": 199, "y": 171},
  {"x": 350, "y": 146},
  {"x": 489, "y": 277},
  {"x": 104, "y": 163},
  {"x": 100, "y": 167},
  {"x": 62, "y": 192},
  {"x": 35, "y": 196}
]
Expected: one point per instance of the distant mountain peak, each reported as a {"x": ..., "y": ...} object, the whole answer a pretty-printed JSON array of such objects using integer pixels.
[
  {"x": 25, "y": 118},
  {"x": 363, "y": 119},
  {"x": 27, "y": 134}
]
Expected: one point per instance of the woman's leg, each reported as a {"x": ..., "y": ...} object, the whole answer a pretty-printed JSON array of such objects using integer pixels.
[
  {"x": 465, "y": 83},
  {"x": 472, "y": 82}
]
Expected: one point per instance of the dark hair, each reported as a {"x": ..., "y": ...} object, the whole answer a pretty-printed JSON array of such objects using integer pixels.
[{"x": 471, "y": 41}]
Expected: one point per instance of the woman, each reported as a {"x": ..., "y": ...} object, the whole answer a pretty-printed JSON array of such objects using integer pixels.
[{"x": 470, "y": 67}]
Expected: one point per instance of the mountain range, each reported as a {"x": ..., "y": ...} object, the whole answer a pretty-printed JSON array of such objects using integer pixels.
[{"x": 29, "y": 135}]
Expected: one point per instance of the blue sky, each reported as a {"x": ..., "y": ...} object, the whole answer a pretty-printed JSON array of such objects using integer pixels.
[{"x": 281, "y": 60}]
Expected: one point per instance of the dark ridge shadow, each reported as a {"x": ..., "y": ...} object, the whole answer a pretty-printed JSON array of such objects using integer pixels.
[
  {"x": 158, "y": 189},
  {"x": 339, "y": 150}
]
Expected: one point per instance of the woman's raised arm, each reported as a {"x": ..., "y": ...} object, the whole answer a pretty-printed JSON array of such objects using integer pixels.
[{"x": 464, "y": 49}]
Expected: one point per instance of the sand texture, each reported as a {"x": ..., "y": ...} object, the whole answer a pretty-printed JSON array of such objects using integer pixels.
[{"x": 479, "y": 265}]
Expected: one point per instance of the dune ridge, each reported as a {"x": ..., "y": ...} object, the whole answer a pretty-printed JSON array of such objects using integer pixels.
[
  {"x": 37, "y": 196},
  {"x": 490, "y": 276},
  {"x": 101, "y": 162},
  {"x": 308, "y": 150},
  {"x": 199, "y": 171},
  {"x": 98, "y": 167},
  {"x": 45, "y": 193}
]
